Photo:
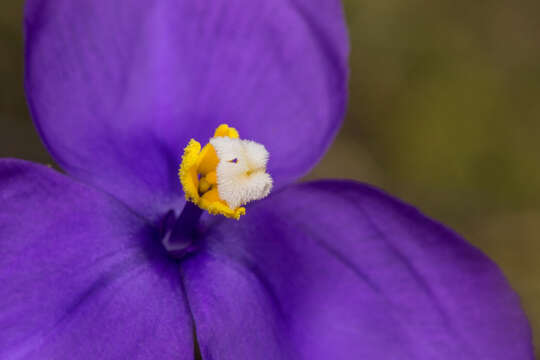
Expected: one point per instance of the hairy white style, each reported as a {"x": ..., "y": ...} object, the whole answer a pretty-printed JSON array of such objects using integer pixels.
[{"x": 241, "y": 171}]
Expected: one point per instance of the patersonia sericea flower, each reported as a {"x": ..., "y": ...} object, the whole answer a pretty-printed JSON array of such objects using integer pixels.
[{"x": 109, "y": 260}]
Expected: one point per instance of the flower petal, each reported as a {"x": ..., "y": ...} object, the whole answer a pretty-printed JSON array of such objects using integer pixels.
[
  {"x": 338, "y": 270},
  {"x": 80, "y": 277},
  {"x": 117, "y": 88}
]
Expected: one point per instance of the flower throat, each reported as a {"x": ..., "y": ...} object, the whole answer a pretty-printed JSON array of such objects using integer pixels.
[{"x": 221, "y": 177}]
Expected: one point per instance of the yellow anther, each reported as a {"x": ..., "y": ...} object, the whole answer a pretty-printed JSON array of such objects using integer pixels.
[
  {"x": 204, "y": 186},
  {"x": 211, "y": 177},
  {"x": 206, "y": 182},
  {"x": 224, "y": 130}
]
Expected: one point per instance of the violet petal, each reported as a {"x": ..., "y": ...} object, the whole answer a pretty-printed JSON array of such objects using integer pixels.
[
  {"x": 339, "y": 270},
  {"x": 117, "y": 88},
  {"x": 80, "y": 275}
]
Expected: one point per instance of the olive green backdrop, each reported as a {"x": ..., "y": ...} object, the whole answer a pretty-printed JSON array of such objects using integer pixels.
[{"x": 444, "y": 112}]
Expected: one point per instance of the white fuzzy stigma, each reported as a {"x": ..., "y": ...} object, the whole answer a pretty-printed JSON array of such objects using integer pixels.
[{"x": 241, "y": 171}]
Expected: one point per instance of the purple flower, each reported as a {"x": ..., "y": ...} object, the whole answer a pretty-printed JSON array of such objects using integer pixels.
[{"x": 323, "y": 270}]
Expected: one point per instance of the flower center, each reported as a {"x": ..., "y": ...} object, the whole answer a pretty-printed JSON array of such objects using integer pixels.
[
  {"x": 179, "y": 233},
  {"x": 225, "y": 174}
]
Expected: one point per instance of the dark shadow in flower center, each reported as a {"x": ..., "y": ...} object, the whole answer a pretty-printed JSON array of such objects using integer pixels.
[{"x": 179, "y": 233}]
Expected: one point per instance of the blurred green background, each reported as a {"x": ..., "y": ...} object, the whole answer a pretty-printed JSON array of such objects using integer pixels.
[{"x": 444, "y": 112}]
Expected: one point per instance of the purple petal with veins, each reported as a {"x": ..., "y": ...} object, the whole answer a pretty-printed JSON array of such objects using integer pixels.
[{"x": 109, "y": 261}]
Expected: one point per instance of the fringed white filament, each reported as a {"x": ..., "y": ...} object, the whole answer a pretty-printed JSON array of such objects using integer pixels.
[{"x": 241, "y": 172}]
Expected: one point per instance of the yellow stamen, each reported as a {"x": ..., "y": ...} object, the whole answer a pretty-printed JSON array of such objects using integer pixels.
[{"x": 198, "y": 175}]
